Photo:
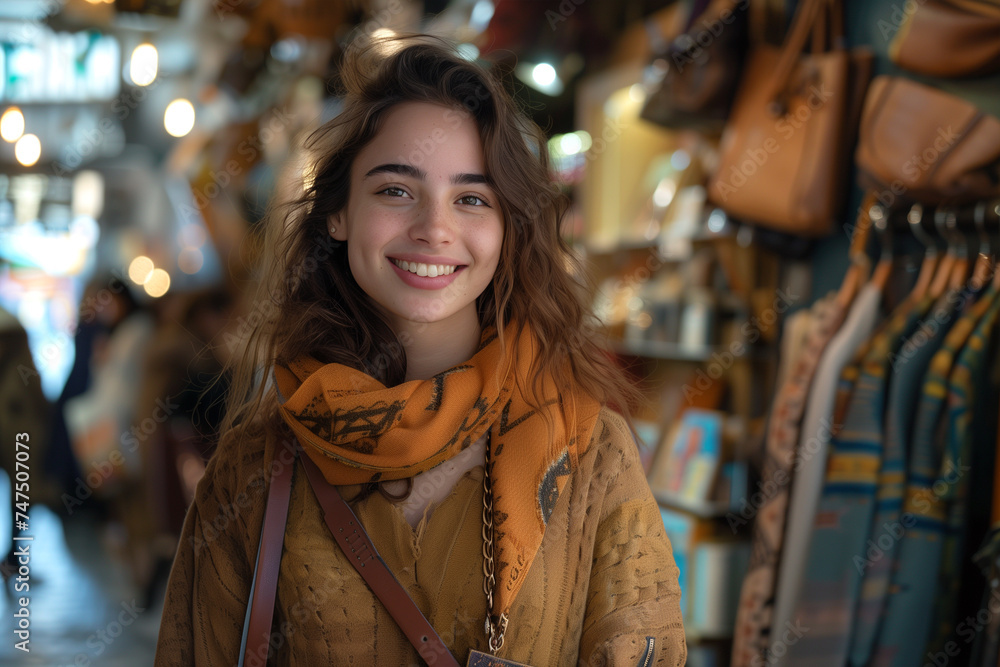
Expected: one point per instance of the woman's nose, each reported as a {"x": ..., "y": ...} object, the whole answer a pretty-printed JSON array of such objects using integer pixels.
[{"x": 434, "y": 224}]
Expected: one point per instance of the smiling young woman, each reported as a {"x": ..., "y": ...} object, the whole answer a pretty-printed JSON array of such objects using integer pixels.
[
  {"x": 423, "y": 241},
  {"x": 418, "y": 335}
]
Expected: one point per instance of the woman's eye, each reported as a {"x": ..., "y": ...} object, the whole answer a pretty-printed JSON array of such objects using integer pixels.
[
  {"x": 393, "y": 192},
  {"x": 473, "y": 200}
]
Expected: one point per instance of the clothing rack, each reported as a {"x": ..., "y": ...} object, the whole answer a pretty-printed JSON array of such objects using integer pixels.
[{"x": 942, "y": 222}]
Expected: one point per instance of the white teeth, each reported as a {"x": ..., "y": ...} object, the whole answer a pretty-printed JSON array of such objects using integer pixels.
[{"x": 428, "y": 270}]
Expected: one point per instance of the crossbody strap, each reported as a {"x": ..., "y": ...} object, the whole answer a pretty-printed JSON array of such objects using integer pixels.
[
  {"x": 260, "y": 606},
  {"x": 348, "y": 532}
]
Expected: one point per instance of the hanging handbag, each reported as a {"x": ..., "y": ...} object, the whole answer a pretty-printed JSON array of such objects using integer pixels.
[
  {"x": 784, "y": 154},
  {"x": 949, "y": 38},
  {"x": 694, "y": 75},
  {"x": 921, "y": 144}
]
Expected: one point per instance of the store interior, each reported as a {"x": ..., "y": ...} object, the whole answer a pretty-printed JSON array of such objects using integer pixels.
[{"x": 790, "y": 215}]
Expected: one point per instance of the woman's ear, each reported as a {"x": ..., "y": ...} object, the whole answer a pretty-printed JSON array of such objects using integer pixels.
[{"x": 336, "y": 228}]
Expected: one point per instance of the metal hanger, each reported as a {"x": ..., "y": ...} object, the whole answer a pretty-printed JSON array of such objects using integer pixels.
[
  {"x": 983, "y": 269},
  {"x": 880, "y": 219},
  {"x": 932, "y": 256}
]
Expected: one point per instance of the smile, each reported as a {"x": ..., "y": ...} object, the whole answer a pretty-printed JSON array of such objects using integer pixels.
[{"x": 428, "y": 270}]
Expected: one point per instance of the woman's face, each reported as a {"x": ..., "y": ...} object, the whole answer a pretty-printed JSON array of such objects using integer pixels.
[{"x": 423, "y": 229}]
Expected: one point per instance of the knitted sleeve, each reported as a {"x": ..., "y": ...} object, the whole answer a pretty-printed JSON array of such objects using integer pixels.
[
  {"x": 202, "y": 622},
  {"x": 633, "y": 614}
]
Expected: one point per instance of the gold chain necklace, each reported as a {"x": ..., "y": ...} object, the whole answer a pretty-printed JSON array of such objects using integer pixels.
[{"x": 495, "y": 627}]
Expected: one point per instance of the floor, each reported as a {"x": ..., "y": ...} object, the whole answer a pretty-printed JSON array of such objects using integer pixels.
[{"x": 82, "y": 609}]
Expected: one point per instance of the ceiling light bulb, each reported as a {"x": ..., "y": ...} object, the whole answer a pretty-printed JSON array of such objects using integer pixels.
[
  {"x": 544, "y": 74},
  {"x": 178, "y": 119},
  {"x": 143, "y": 66}
]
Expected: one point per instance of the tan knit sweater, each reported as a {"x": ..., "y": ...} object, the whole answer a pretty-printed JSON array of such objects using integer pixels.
[{"x": 603, "y": 581}]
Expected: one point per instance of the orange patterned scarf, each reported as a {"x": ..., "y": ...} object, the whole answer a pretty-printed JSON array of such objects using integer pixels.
[{"x": 358, "y": 430}]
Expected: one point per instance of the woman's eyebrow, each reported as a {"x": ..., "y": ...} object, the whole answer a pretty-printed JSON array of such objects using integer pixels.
[
  {"x": 420, "y": 174},
  {"x": 401, "y": 169},
  {"x": 469, "y": 179}
]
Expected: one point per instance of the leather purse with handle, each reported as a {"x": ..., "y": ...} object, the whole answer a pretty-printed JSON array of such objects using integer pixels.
[
  {"x": 921, "y": 144},
  {"x": 949, "y": 38},
  {"x": 785, "y": 152},
  {"x": 698, "y": 70}
]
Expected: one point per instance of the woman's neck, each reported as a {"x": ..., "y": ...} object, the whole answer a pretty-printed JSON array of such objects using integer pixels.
[{"x": 436, "y": 347}]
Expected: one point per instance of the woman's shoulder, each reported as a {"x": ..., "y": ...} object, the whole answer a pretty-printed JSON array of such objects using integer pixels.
[
  {"x": 611, "y": 431},
  {"x": 612, "y": 447},
  {"x": 616, "y": 425},
  {"x": 243, "y": 457}
]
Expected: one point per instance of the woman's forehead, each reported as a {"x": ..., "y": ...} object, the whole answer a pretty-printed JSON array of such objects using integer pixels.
[{"x": 431, "y": 139}]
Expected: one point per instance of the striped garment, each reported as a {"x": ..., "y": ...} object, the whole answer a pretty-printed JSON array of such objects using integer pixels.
[
  {"x": 810, "y": 462},
  {"x": 910, "y": 598},
  {"x": 880, "y": 548},
  {"x": 986, "y": 650},
  {"x": 964, "y": 384},
  {"x": 753, "y": 621},
  {"x": 841, "y": 523}
]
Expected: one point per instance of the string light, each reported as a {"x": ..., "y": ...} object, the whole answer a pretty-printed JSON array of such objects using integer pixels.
[
  {"x": 158, "y": 283},
  {"x": 140, "y": 270},
  {"x": 28, "y": 149},
  {"x": 11, "y": 125}
]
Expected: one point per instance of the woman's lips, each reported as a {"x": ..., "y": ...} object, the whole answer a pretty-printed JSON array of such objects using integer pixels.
[{"x": 425, "y": 282}]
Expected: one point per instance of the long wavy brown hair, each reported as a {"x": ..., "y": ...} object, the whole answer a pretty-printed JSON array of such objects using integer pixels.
[{"x": 308, "y": 302}]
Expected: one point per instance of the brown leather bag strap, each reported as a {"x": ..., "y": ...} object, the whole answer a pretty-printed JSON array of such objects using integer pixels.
[
  {"x": 806, "y": 16},
  {"x": 260, "y": 606},
  {"x": 348, "y": 532}
]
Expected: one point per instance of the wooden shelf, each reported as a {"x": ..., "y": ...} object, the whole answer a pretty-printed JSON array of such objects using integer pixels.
[
  {"x": 675, "y": 352},
  {"x": 661, "y": 350}
]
